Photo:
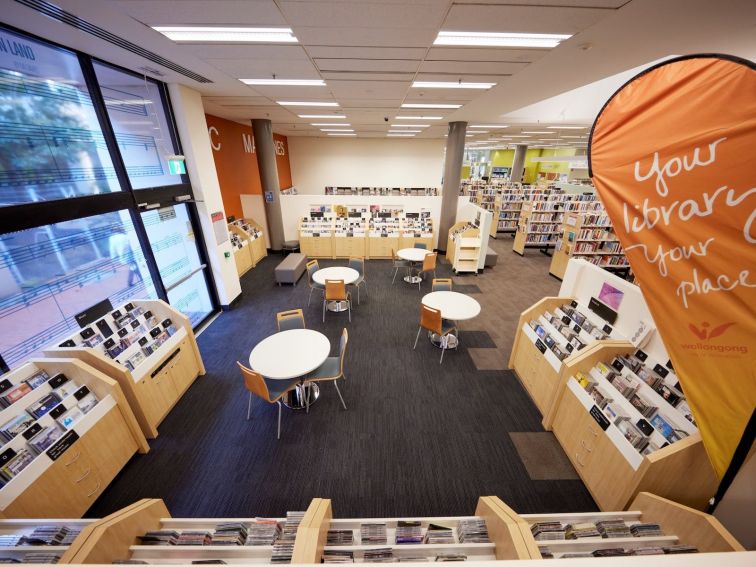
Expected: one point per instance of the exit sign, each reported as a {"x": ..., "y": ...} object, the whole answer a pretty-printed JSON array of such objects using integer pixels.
[{"x": 176, "y": 165}]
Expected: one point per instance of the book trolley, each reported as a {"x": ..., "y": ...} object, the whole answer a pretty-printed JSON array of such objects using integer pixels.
[
  {"x": 67, "y": 431},
  {"x": 146, "y": 346},
  {"x": 248, "y": 241},
  {"x": 457, "y": 232},
  {"x": 145, "y": 532}
]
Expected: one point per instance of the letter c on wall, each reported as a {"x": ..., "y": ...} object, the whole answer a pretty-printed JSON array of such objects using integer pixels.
[{"x": 213, "y": 130}]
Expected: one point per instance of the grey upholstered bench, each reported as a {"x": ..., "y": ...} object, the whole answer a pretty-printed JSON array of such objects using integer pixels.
[
  {"x": 491, "y": 258},
  {"x": 291, "y": 269}
]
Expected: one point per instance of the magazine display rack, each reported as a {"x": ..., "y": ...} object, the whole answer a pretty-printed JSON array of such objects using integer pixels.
[
  {"x": 456, "y": 233},
  {"x": 150, "y": 350},
  {"x": 248, "y": 241}
]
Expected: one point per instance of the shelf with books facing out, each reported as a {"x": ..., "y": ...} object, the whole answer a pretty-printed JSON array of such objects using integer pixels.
[
  {"x": 67, "y": 430},
  {"x": 248, "y": 242},
  {"x": 457, "y": 232},
  {"x": 146, "y": 346}
]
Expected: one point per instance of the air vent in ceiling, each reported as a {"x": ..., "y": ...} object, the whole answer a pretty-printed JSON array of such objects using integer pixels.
[
  {"x": 151, "y": 71},
  {"x": 52, "y": 11}
]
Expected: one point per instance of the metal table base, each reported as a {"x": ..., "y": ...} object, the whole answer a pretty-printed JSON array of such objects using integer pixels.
[
  {"x": 337, "y": 306},
  {"x": 295, "y": 399}
]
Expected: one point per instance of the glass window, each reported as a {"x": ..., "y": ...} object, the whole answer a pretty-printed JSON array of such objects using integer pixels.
[
  {"x": 141, "y": 128},
  {"x": 51, "y": 145},
  {"x": 174, "y": 246},
  {"x": 50, "y": 273}
]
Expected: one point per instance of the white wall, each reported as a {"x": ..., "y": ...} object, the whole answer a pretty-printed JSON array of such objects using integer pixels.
[{"x": 364, "y": 162}]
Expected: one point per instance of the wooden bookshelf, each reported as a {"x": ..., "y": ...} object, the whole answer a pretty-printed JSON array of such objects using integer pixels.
[
  {"x": 416, "y": 231},
  {"x": 158, "y": 381},
  {"x": 350, "y": 238},
  {"x": 20, "y": 528},
  {"x": 316, "y": 237},
  {"x": 456, "y": 232},
  {"x": 96, "y": 430},
  {"x": 384, "y": 235}
]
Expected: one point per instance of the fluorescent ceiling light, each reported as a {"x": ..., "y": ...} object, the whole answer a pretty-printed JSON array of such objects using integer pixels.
[
  {"x": 410, "y": 125},
  {"x": 566, "y": 136},
  {"x": 497, "y": 39},
  {"x": 451, "y": 85},
  {"x": 494, "y": 126},
  {"x": 342, "y": 134},
  {"x": 519, "y": 136},
  {"x": 404, "y": 131},
  {"x": 336, "y": 130},
  {"x": 538, "y": 132},
  {"x": 568, "y": 127},
  {"x": 400, "y": 135},
  {"x": 418, "y": 117},
  {"x": 422, "y": 105},
  {"x": 227, "y": 34},
  {"x": 321, "y": 115},
  {"x": 329, "y": 124},
  {"x": 549, "y": 139},
  {"x": 477, "y": 131},
  {"x": 306, "y": 103},
  {"x": 285, "y": 82}
]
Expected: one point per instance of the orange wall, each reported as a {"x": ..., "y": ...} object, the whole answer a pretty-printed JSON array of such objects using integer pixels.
[{"x": 236, "y": 164}]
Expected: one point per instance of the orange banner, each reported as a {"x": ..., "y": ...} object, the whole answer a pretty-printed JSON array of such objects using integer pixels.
[{"x": 672, "y": 156}]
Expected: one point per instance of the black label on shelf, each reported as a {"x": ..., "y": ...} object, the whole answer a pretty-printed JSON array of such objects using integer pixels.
[
  {"x": 63, "y": 444},
  {"x": 134, "y": 324},
  {"x": 116, "y": 314},
  {"x": 105, "y": 329},
  {"x": 31, "y": 431},
  {"x": 57, "y": 411},
  {"x": 617, "y": 364},
  {"x": 660, "y": 370},
  {"x": 573, "y": 303},
  {"x": 566, "y": 320},
  {"x": 123, "y": 332},
  {"x": 155, "y": 332},
  {"x": 81, "y": 393},
  {"x": 57, "y": 381},
  {"x": 645, "y": 427},
  {"x": 5, "y": 385},
  {"x": 6, "y": 456},
  {"x": 128, "y": 307},
  {"x": 147, "y": 315},
  {"x": 110, "y": 343},
  {"x": 669, "y": 365},
  {"x": 569, "y": 347},
  {"x": 600, "y": 418},
  {"x": 143, "y": 341},
  {"x": 576, "y": 328},
  {"x": 384, "y": 235},
  {"x": 166, "y": 323},
  {"x": 86, "y": 333},
  {"x": 640, "y": 355},
  {"x": 67, "y": 343},
  {"x": 607, "y": 329},
  {"x": 540, "y": 346}
]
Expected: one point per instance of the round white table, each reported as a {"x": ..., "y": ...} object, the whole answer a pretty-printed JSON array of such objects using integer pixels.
[
  {"x": 348, "y": 275},
  {"x": 453, "y": 306},
  {"x": 273, "y": 358},
  {"x": 412, "y": 255}
]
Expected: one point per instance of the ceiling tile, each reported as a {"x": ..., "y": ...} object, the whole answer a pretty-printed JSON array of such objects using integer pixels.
[
  {"x": 471, "y": 67},
  {"x": 363, "y": 14},
  {"x": 348, "y": 103},
  {"x": 365, "y": 76},
  {"x": 484, "y": 54},
  {"x": 328, "y": 52},
  {"x": 249, "y": 50},
  {"x": 364, "y": 36},
  {"x": 265, "y": 68},
  {"x": 385, "y": 65},
  {"x": 368, "y": 89},
  {"x": 218, "y": 12},
  {"x": 561, "y": 3}
]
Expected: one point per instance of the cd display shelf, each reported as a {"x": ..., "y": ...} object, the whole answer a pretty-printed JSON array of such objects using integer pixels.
[
  {"x": 248, "y": 241},
  {"x": 540, "y": 221},
  {"x": 146, "y": 346},
  {"x": 510, "y": 536},
  {"x": 67, "y": 433},
  {"x": 456, "y": 233},
  {"x": 590, "y": 236},
  {"x": 385, "y": 191},
  {"x": 38, "y": 540}
]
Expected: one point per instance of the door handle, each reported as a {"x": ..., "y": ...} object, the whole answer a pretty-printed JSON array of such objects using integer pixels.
[
  {"x": 96, "y": 488},
  {"x": 577, "y": 458},
  {"x": 86, "y": 474},
  {"x": 586, "y": 446},
  {"x": 76, "y": 458}
]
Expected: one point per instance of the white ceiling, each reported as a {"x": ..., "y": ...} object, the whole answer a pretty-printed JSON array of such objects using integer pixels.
[{"x": 370, "y": 51}]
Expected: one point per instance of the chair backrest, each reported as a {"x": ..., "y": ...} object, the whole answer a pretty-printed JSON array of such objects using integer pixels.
[
  {"x": 429, "y": 262},
  {"x": 312, "y": 267},
  {"x": 357, "y": 264},
  {"x": 430, "y": 319},
  {"x": 342, "y": 347},
  {"x": 254, "y": 382},
  {"x": 441, "y": 284},
  {"x": 335, "y": 290},
  {"x": 293, "y": 319},
  {"x": 421, "y": 245}
]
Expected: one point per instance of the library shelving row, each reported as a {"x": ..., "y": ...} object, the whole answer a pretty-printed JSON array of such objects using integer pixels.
[
  {"x": 359, "y": 234},
  {"x": 385, "y": 191},
  {"x": 589, "y": 235},
  {"x": 248, "y": 242},
  {"x": 39, "y": 541},
  {"x": 540, "y": 222},
  {"x": 148, "y": 348},
  {"x": 67, "y": 431},
  {"x": 146, "y": 533},
  {"x": 619, "y": 415}
]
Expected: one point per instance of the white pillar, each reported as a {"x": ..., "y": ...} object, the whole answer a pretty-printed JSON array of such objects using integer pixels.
[{"x": 200, "y": 165}]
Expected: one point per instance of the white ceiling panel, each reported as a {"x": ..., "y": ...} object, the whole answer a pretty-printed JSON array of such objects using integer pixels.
[
  {"x": 358, "y": 76},
  {"x": 265, "y": 68},
  {"x": 471, "y": 67},
  {"x": 242, "y": 51},
  {"x": 328, "y": 52},
  {"x": 381, "y": 14},
  {"x": 236, "y": 100},
  {"x": 368, "y": 89},
  {"x": 467, "y": 78},
  {"x": 364, "y": 36},
  {"x": 385, "y": 65},
  {"x": 293, "y": 93},
  {"x": 237, "y": 12},
  {"x": 562, "y": 3},
  {"x": 484, "y": 54},
  {"x": 368, "y": 104},
  {"x": 524, "y": 19}
]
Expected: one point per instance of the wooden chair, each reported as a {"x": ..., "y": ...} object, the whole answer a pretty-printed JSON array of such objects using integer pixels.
[
  {"x": 441, "y": 284},
  {"x": 335, "y": 290},
  {"x": 359, "y": 265},
  {"x": 269, "y": 390},
  {"x": 430, "y": 320},
  {"x": 398, "y": 263},
  {"x": 332, "y": 369},
  {"x": 287, "y": 320},
  {"x": 312, "y": 267},
  {"x": 429, "y": 265}
]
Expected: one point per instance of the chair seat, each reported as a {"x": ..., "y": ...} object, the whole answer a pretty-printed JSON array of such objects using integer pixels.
[
  {"x": 276, "y": 388},
  {"x": 329, "y": 369}
]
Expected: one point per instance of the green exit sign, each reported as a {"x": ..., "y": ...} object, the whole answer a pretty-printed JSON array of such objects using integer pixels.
[{"x": 176, "y": 165}]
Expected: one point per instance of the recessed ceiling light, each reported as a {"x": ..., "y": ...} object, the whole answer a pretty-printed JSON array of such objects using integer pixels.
[
  {"x": 418, "y": 117},
  {"x": 451, "y": 85},
  {"x": 494, "y": 126},
  {"x": 285, "y": 82},
  {"x": 519, "y": 136},
  {"x": 568, "y": 127},
  {"x": 410, "y": 125},
  {"x": 400, "y": 135},
  {"x": 404, "y": 131},
  {"x": 328, "y": 124},
  {"x": 549, "y": 139},
  {"x": 537, "y": 132},
  {"x": 331, "y": 134},
  {"x": 497, "y": 39},
  {"x": 336, "y": 130},
  {"x": 477, "y": 131},
  {"x": 306, "y": 103},
  {"x": 227, "y": 34},
  {"x": 566, "y": 136},
  {"x": 321, "y": 115},
  {"x": 422, "y": 105}
]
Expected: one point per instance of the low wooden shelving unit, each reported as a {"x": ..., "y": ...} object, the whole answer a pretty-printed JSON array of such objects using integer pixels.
[{"x": 249, "y": 244}]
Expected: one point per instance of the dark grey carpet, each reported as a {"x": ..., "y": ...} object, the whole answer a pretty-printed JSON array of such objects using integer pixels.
[
  {"x": 543, "y": 456},
  {"x": 418, "y": 439}
]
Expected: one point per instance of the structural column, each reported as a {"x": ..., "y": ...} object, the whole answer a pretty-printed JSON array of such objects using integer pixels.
[
  {"x": 265, "y": 150},
  {"x": 455, "y": 153},
  {"x": 518, "y": 163}
]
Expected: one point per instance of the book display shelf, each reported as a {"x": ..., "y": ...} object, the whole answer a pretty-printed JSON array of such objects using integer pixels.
[
  {"x": 67, "y": 430},
  {"x": 146, "y": 346},
  {"x": 489, "y": 199},
  {"x": 384, "y": 235},
  {"x": 38, "y": 540},
  {"x": 248, "y": 242},
  {"x": 385, "y": 191},
  {"x": 540, "y": 222},
  {"x": 145, "y": 532},
  {"x": 316, "y": 234},
  {"x": 350, "y": 236},
  {"x": 590, "y": 236},
  {"x": 456, "y": 233},
  {"x": 417, "y": 228}
]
